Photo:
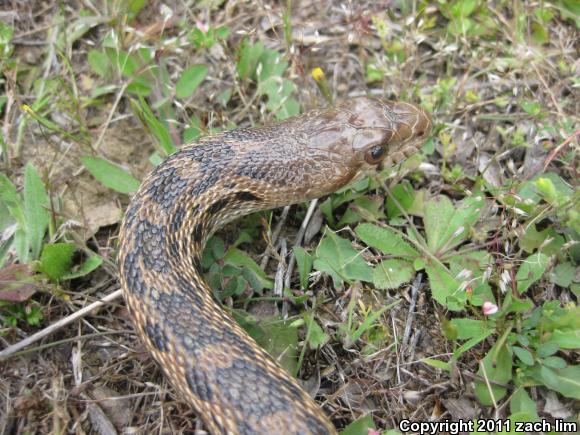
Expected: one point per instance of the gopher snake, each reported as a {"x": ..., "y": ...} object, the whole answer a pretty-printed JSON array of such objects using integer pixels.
[{"x": 232, "y": 383}]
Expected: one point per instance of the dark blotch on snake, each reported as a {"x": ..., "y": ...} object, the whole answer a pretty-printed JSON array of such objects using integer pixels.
[
  {"x": 198, "y": 384},
  {"x": 218, "y": 205},
  {"x": 150, "y": 242},
  {"x": 247, "y": 196},
  {"x": 156, "y": 335},
  {"x": 197, "y": 232}
]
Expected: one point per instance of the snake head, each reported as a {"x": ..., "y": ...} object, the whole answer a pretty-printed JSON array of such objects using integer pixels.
[
  {"x": 386, "y": 132},
  {"x": 361, "y": 135}
]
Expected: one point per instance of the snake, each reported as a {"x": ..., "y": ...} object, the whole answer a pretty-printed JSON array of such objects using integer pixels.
[{"x": 233, "y": 384}]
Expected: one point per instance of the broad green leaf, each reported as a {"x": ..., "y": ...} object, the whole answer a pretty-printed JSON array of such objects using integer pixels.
[
  {"x": 550, "y": 241},
  {"x": 567, "y": 317},
  {"x": 304, "y": 262},
  {"x": 278, "y": 337},
  {"x": 547, "y": 348},
  {"x": 110, "y": 175},
  {"x": 565, "y": 381},
  {"x": 524, "y": 355},
  {"x": 476, "y": 262},
  {"x": 363, "y": 208},
  {"x": 447, "y": 226},
  {"x": 531, "y": 270},
  {"x": 405, "y": 196},
  {"x": 528, "y": 189},
  {"x": 270, "y": 64},
  {"x": 56, "y": 260},
  {"x": 360, "y": 426},
  {"x": 36, "y": 206},
  {"x": 445, "y": 289},
  {"x": 469, "y": 328},
  {"x": 337, "y": 257},
  {"x": 390, "y": 274},
  {"x": 566, "y": 339},
  {"x": 99, "y": 62},
  {"x": 248, "y": 58},
  {"x": 521, "y": 402},
  {"x": 498, "y": 370},
  {"x": 235, "y": 257},
  {"x": 85, "y": 268},
  {"x": 386, "y": 240},
  {"x": 563, "y": 274},
  {"x": 555, "y": 362},
  {"x": 190, "y": 79}
]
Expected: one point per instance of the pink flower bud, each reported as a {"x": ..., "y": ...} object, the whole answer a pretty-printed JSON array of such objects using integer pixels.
[{"x": 489, "y": 308}]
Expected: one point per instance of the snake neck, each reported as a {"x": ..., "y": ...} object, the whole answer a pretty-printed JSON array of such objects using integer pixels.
[{"x": 234, "y": 385}]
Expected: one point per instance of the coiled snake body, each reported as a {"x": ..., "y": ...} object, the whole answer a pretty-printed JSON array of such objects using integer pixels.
[{"x": 232, "y": 383}]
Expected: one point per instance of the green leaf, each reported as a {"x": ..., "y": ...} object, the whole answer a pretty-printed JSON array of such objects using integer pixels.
[
  {"x": 36, "y": 206},
  {"x": 87, "y": 267},
  {"x": 390, "y": 274},
  {"x": 270, "y": 65},
  {"x": 386, "y": 240},
  {"x": 447, "y": 226},
  {"x": 12, "y": 200},
  {"x": 531, "y": 270},
  {"x": 546, "y": 349},
  {"x": 278, "y": 337},
  {"x": 532, "y": 239},
  {"x": 546, "y": 188},
  {"x": 248, "y": 58},
  {"x": 524, "y": 355},
  {"x": 471, "y": 343},
  {"x": 338, "y": 258},
  {"x": 445, "y": 288},
  {"x": 563, "y": 274},
  {"x": 367, "y": 323},
  {"x": 521, "y": 402},
  {"x": 566, "y": 339},
  {"x": 469, "y": 328},
  {"x": 438, "y": 364},
  {"x": 237, "y": 258},
  {"x": 555, "y": 362},
  {"x": 110, "y": 175},
  {"x": 360, "y": 426},
  {"x": 156, "y": 127},
  {"x": 531, "y": 107},
  {"x": 565, "y": 381},
  {"x": 56, "y": 259},
  {"x": 316, "y": 335},
  {"x": 405, "y": 196},
  {"x": 99, "y": 63},
  {"x": 190, "y": 79},
  {"x": 497, "y": 367},
  {"x": 304, "y": 262},
  {"x": 363, "y": 208}
]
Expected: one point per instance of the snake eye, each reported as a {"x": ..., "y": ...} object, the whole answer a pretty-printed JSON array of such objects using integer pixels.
[{"x": 375, "y": 154}]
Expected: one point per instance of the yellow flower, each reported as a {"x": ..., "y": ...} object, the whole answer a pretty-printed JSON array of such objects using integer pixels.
[{"x": 318, "y": 74}]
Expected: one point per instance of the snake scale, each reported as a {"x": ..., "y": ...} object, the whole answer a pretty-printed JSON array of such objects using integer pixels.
[{"x": 232, "y": 383}]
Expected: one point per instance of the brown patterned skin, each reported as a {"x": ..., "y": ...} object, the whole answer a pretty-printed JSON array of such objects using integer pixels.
[{"x": 233, "y": 384}]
